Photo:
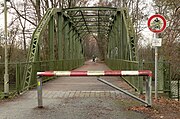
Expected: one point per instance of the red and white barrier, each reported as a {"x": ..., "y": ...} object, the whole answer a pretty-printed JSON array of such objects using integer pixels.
[
  {"x": 147, "y": 73},
  {"x": 96, "y": 73}
]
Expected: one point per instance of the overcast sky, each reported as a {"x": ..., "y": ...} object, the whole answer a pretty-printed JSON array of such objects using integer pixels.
[{"x": 2, "y": 15}]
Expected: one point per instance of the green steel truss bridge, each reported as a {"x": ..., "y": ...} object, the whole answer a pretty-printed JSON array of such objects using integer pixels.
[{"x": 63, "y": 31}]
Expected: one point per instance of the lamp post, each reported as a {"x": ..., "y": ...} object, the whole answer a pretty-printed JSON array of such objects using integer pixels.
[{"x": 6, "y": 75}]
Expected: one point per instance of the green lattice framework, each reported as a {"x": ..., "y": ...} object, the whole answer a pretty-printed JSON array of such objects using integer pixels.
[
  {"x": 122, "y": 38},
  {"x": 73, "y": 24}
]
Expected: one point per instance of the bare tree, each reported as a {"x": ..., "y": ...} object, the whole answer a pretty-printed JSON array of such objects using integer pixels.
[{"x": 170, "y": 49}]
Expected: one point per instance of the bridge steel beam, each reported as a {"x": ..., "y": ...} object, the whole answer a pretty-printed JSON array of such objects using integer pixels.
[
  {"x": 119, "y": 34},
  {"x": 66, "y": 39},
  {"x": 91, "y": 9},
  {"x": 60, "y": 36},
  {"x": 73, "y": 28},
  {"x": 74, "y": 44},
  {"x": 70, "y": 42},
  {"x": 29, "y": 72},
  {"x": 51, "y": 42},
  {"x": 63, "y": 37},
  {"x": 126, "y": 42}
]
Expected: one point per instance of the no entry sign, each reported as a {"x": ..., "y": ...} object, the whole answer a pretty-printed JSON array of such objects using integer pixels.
[{"x": 156, "y": 23}]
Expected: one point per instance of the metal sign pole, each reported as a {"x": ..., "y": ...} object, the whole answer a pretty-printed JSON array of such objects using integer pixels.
[
  {"x": 156, "y": 24},
  {"x": 6, "y": 75},
  {"x": 156, "y": 66}
]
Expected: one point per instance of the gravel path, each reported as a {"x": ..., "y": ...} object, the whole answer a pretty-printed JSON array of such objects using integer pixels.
[{"x": 74, "y": 98}]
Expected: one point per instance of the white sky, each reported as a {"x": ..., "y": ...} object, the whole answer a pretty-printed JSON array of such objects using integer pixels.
[
  {"x": 2, "y": 15},
  {"x": 147, "y": 34}
]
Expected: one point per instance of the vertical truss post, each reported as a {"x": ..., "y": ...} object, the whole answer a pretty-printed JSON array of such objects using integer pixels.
[
  {"x": 18, "y": 77},
  {"x": 78, "y": 46},
  {"x": 66, "y": 39},
  {"x": 51, "y": 42},
  {"x": 119, "y": 34},
  {"x": 60, "y": 36},
  {"x": 74, "y": 46},
  {"x": 108, "y": 49},
  {"x": 75, "y": 40},
  {"x": 70, "y": 42},
  {"x": 113, "y": 41},
  {"x": 82, "y": 50},
  {"x": 116, "y": 39},
  {"x": 128, "y": 52},
  {"x": 111, "y": 45},
  {"x": 122, "y": 35},
  {"x": 70, "y": 45}
]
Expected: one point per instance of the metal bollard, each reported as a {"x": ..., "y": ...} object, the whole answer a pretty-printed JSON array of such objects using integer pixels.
[
  {"x": 149, "y": 91},
  {"x": 39, "y": 92}
]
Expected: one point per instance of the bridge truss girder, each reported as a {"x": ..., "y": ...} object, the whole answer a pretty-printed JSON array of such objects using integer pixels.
[{"x": 66, "y": 29}]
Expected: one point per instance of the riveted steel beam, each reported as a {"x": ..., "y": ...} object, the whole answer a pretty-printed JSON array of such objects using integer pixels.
[
  {"x": 60, "y": 36},
  {"x": 51, "y": 42},
  {"x": 74, "y": 24},
  {"x": 91, "y": 9}
]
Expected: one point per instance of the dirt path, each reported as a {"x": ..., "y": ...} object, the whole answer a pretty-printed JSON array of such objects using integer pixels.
[{"x": 75, "y": 98}]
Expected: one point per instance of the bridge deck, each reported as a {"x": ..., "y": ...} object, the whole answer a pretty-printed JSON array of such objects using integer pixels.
[{"x": 74, "y": 98}]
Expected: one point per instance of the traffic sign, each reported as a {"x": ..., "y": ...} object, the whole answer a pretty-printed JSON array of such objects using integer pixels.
[
  {"x": 157, "y": 42},
  {"x": 156, "y": 23}
]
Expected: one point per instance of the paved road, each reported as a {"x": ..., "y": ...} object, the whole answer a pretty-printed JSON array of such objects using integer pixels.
[{"x": 74, "y": 98}]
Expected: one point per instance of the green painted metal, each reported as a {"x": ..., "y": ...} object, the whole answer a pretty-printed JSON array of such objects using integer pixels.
[
  {"x": 71, "y": 43},
  {"x": 18, "y": 78},
  {"x": 60, "y": 36},
  {"x": 94, "y": 26},
  {"x": 66, "y": 39},
  {"x": 124, "y": 37},
  {"x": 64, "y": 43},
  {"x": 51, "y": 42},
  {"x": 91, "y": 9},
  {"x": 74, "y": 45},
  {"x": 73, "y": 25},
  {"x": 34, "y": 47},
  {"x": 91, "y": 16}
]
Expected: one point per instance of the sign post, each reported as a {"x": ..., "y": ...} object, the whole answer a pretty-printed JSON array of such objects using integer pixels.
[
  {"x": 156, "y": 24},
  {"x": 6, "y": 75}
]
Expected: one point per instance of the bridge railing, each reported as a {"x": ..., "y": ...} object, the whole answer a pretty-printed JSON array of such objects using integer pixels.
[
  {"x": 164, "y": 79},
  {"x": 135, "y": 82},
  {"x": 47, "y": 65},
  {"x": 12, "y": 78},
  {"x": 16, "y": 72}
]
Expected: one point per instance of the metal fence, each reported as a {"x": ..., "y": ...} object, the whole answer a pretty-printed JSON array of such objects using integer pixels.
[
  {"x": 12, "y": 78},
  {"x": 118, "y": 64},
  {"x": 16, "y": 72},
  {"x": 175, "y": 88},
  {"x": 165, "y": 83}
]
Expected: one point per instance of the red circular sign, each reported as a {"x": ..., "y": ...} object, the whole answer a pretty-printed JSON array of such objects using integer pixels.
[{"x": 156, "y": 23}]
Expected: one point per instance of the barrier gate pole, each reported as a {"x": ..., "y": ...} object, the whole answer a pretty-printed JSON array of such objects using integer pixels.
[
  {"x": 147, "y": 101},
  {"x": 148, "y": 90},
  {"x": 39, "y": 92}
]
